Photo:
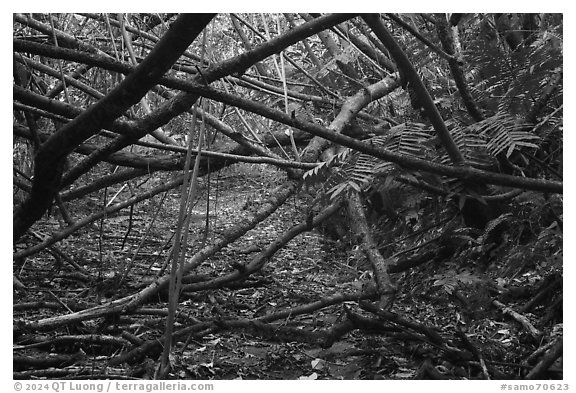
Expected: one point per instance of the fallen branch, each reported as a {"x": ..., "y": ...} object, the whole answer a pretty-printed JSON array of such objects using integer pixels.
[
  {"x": 472, "y": 348},
  {"x": 550, "y": 357},
  {"x": 380, "y": 266},
  {"x": 521, "y": 319}
]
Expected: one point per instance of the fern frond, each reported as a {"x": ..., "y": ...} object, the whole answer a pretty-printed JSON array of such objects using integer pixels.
[
  {"x": 505, "y": 132},
  {"x": 492, "y": 224},
  {"x": 358, "y": 170},
  {"x": 322, "y": 171},
  {"x": 514, "y": 79},
  {"x": 409, "y": 139}
]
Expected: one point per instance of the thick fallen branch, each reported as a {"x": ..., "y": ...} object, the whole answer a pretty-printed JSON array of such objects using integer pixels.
[
  {"x": 430, "y": 333},
  {"x": 79, "y": 339},
  {"x": 102, "y": 182},
  {"x": 550, "y": 357},
  {"x": 51, "y": 360},
  {"x": 74, "y": 373},
  {"x": 521, "y": 319},
  {"x": 380, "y": 266}
]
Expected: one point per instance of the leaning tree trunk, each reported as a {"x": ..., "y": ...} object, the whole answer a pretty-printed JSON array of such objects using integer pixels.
[{"x": 380, "y": 265}]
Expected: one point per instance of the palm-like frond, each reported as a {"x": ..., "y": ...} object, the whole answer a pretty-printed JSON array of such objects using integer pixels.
[
  {"x": 353, "y": 170},
  {"x": 410, "y": 139},
  {"x": 514, "y": 79},
  {"x": 472, "y": 145},
  {"x": 504, "y": 132}
]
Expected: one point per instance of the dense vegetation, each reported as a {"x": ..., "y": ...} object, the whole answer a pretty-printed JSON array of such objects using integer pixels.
[{"x": 288, "y": 196}]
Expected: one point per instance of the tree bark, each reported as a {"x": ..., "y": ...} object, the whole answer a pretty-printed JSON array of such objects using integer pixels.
[
  {"x": 380, "y": 266},
  {"x": 50, "y": 158}
]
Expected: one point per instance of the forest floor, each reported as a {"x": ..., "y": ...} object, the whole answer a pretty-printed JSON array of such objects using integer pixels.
[{"x": 308, "y": 269}]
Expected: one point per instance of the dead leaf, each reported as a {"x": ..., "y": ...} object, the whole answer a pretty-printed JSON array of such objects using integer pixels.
[
  {"x": 311, "y": 377},
  {"x": 318, "y": 364}
]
